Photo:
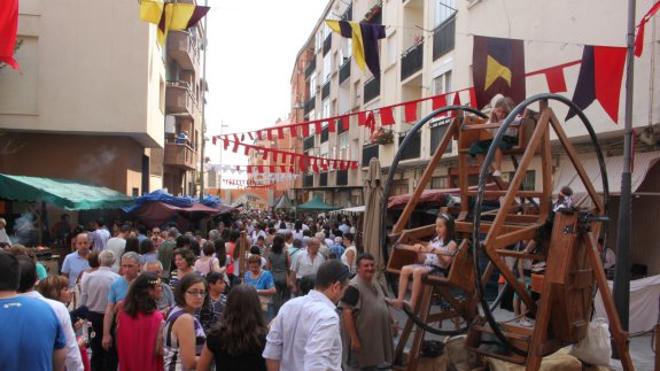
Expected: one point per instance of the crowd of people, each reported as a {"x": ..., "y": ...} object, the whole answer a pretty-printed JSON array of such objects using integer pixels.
[{"x": 257, "y": 292}]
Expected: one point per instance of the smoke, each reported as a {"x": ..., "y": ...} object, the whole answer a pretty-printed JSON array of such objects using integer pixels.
[
  {"x": 24, "y": 231},
  {"x": 92, "y": 165}
]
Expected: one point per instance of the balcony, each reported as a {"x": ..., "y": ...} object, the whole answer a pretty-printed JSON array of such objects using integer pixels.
[
  {"x": 368, "y": 152},
  {"x": 371, "y": 89},
  {"x": 308, "y": 143},
  {"x": 310, "y": 104},
  {"x": 180, "y": 156},
  {"x": 325, "y": 90},
  {"x": 327, "y": 44},
  {"x": 342, "y": 177},
  {"x": 182, "y": 47},
  {"x": 179, "y": 100},
  {"x": 443, "y": 37},
  {"x": 412, "y": 150},
  {"x": 311, "y": 66},
  {"x": 412, "y": 60},
  {"x": 345, "y": 70}
]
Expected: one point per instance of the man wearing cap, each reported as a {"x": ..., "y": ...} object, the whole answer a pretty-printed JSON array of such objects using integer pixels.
[{"x": 305, "y": 335}]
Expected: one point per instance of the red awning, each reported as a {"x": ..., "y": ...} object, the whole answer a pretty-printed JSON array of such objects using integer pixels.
[
  {"x": 159, "y": 213},
  {"x": 432, "y": 196}
]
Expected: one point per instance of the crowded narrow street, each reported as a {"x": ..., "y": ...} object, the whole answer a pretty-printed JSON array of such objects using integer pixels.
[{"x": 350, "y": 185}]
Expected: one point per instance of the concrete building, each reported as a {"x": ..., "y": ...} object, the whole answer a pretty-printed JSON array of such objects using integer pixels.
[
  {"x": 428, "y": 51},
  {"x": 89, "y": 101},
  {"x": 184, "y": 100}
]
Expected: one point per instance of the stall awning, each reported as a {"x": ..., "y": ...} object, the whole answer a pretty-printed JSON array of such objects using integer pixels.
[
  {"x": 67, "y": 194},
  {"x": 436, "y": 197},
  {"x": 315, "y": 204},
  {"x": 357, "y": 210},
  {"x": 567, "y": 176}
]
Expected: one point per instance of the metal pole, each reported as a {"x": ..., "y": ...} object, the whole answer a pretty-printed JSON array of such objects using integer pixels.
[
  {"x": 622, "y": 270},
  {"x": 201, "y": 160}
]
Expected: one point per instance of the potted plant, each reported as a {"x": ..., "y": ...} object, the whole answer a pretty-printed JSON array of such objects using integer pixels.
[{"x": 382, "y": 136}]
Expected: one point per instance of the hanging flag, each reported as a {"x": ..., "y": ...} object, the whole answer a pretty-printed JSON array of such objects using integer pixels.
[
  {"x": 371, "y": 120},
  {"x": 264, "y": 156},
  {"x": 242, "y": 137},
  {"x": 225, "y": 142},
  {"x": 473, "y": 98},
  {"x": 498, "y": 66},
  {"x": 362, "y": 118},
  {"x": 8, "y": 29},
  {"x": 639, "y": 39},
  {"x": 345, "y": 122},
  {"x": 555, "y": 79},
  {"x": 292, "y": 128},
  {"x": 250, "y": 135},
  {"x": 235, "y": 148},
  {"x": 365, "y": 38},
  {"x": 246, "y": 151},
  {"x": 386, "y": 116},
  {"x": 439, "y": 102},
  {"x": 410, "y": 112},
  {"x": 269, "y": 135},
  {"x": 331, "y": 126},
  {"x": 214, "y": 140},
  {"x": 259, "y": 135},
  {"x": 600, "y": 79},
  {"x": 280, "y": 133},
  {"x": 455, "y": 102},
  {"x": 179, "y": 17},
  {"x": 317, "y": 125},
  {"x": 151, "y": 10},
  {"x": 305, "y": 130}
]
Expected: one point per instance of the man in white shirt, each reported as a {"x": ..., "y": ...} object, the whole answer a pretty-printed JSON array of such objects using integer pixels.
[
  {"x": 28, "y": 279},
  {"x": 307, "y": 262},
  {"x": 305, "y": 335},
  {"x": 100, "y": 236},
  {"x": 118, "y": 245},
  {"x": 94, "y": 289}
]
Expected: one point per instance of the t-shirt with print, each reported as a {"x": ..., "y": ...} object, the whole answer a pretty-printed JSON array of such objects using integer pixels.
[{"x": 20, "y": 349}]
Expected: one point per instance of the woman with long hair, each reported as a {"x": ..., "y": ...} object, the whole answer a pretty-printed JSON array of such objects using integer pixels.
[
  {"x": 132, "y": 244},
  {"x": 278, "y": 264},
  {"x": 183, "y": 261},
  {"x": 183, "y": 335},
  {"x": 139, "y": 326},
  {"x": 208, "y": 263},
  {"x": 237, "y": 341}
]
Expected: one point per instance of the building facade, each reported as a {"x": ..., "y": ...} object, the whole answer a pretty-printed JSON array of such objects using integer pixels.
[
  {"x": 428, "y": 51},
  {"x": 89, "y": 100},
  {"x": 184, "y": 130}
]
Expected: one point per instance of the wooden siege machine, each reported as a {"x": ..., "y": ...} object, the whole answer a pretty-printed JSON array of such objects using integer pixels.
[{"x": 573, "y": 265}]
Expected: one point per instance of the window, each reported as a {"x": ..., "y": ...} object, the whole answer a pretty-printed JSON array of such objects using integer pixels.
[
  {"x": 437, "y": 132},
  {"x": 529, "y": 181},
  {"x": 327, "y": 68},
  {"x": 400, "y": 187},
  {"x": 439, "y": 182},
  {"x": 326, "y": 109},
  {"x": 312, "y": 85},
  {"x": 443, "y": 10},
  {"x": 345, "y": 50},
  {"x": 318, "y": 43},
  {"x": 442, "y": 83}
]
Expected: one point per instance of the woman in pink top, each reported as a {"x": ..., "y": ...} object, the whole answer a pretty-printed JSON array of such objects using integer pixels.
[
  {"x": 139, "y": 326},
  {"x": 208, "y": 263}
]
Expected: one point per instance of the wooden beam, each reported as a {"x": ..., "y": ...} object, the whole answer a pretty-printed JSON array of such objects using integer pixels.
[
  {"x": 618, "y": 334},
  {"x": 510, "y": 238},
  {"x": 520, "y": 255},
  {"x": 498, "y": 223},
  {"x": 546, "y": 170},
  {"x": 492, "y": 193},
  {"x": 572, "y": 155},
  {"x": 485, "y": 227},
  {"x": 426, "y": 177}
]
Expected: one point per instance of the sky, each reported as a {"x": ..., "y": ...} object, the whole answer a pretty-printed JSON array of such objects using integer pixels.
[{"x": 251, "y": 51}]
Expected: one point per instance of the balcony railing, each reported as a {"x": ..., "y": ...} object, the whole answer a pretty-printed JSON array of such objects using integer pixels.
[
  {"x": 310, "y": 104},
  {"x": 342, "y": 177},
  {"x": 178, "y": 99},
  {"x": 327, "y": 44},
  {"x": 311, "y": 66},
  {"x": 181, "y": 46},
  {"x": 443, "y": 37},
  {"x": 325, "y": 90},
  {"x": 412, "y": 150},
  {"x": 323, "y": 179},
  {"x": 368, "y": 152},
  {"x": 412, "y": 60},
  {"x": 345, "y": 70},
  {"x": 371, "y": 89},
  {"x": 308, "y": 143},
  {"x": 179, "y": 155}
]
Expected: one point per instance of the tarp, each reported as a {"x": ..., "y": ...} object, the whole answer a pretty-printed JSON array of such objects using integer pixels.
[
  {"x": 357, "y": 210},
  {"x": 315, "y": 204},
  {"x": 432, "y": 196},
  {"x": 160, "y": 195},
  {"x": 160, "y": 213},
  {"x": 644, "y": 309},
  {"x": 67, "y": 194},
  {"x": 283, "y": 203}
]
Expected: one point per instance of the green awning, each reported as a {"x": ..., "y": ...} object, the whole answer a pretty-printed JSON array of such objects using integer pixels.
[
  {"x": 315, "y": 204},
  {"x": 64, "y": 193}
]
